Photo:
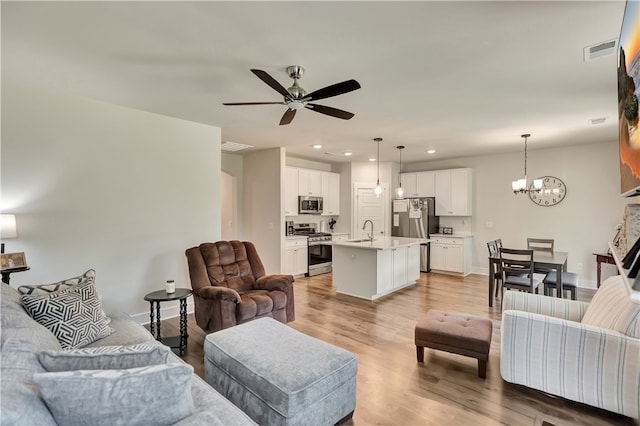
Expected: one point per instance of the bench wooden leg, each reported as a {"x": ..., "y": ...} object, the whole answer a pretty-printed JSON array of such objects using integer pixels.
[
  {"x": 420, "y": 353},
  {"x": 345, "y": 418},
  {"x": 482, "y": 369}
]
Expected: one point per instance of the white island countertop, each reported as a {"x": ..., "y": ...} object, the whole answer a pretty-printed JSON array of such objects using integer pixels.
[{"x": 381, "y": 243}]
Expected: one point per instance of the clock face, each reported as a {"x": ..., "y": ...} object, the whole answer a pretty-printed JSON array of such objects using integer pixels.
[{"x": 553, "y": 191}]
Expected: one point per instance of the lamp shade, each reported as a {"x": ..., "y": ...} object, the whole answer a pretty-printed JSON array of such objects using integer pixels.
[{"x": 8, "y": 226}]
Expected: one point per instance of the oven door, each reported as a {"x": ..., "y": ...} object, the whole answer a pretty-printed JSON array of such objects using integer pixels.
[{"x": 320, "y": 253}]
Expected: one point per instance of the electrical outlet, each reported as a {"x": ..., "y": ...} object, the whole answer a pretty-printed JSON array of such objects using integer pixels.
[{"x": 579, "y": 267}]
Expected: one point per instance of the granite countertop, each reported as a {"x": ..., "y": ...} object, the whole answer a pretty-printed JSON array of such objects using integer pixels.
[{"x": 381, "y": 243}]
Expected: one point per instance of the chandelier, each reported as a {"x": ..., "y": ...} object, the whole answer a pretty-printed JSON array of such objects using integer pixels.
[{"x": 520, "y": 186}]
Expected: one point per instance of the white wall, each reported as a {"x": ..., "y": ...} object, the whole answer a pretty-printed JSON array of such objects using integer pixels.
[
  {"x": 263, "y": 218},
  {"x": 581, "y": 224},
  {"x": 96, "y": 185},
  {"x": 232, "y": 164}
]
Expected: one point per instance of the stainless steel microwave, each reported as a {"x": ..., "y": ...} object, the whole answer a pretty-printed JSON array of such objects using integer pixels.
[{"x": 309, "y": 205}]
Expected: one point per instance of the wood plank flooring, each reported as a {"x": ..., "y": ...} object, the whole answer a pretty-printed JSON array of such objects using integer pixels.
[{"x": 392, "y": 388}]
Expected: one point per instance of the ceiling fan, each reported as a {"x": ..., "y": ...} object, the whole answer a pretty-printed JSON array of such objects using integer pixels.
[{"x": 295, "y": 97}]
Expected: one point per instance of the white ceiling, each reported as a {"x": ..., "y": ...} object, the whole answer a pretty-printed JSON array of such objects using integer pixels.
[{"x": 464, "y": 78}]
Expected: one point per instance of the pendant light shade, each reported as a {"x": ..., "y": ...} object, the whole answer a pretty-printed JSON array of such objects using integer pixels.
[
  {"x": 399, "y": 189},
  {"x": 378, "y": 190}
]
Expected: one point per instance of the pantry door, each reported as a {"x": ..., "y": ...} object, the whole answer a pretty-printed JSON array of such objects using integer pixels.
[{"x": 369, "y": 207}]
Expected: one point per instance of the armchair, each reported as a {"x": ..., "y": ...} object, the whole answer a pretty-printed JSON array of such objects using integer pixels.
[
  {"x": 585, "y": 352},
  {"x": 230, "y": 286}
]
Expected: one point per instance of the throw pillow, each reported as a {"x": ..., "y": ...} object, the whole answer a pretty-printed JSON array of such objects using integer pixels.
[
  {"x": 104, "y": 357},
  {"x": 613, "y": 309},
  {"x": 60, "y": 285},
  {"x": 73, "y": 315},
  {"x": 154, "y": 395}
]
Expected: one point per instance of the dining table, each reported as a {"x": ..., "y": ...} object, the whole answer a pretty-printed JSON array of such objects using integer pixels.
[{"x": 544, "y": 259}]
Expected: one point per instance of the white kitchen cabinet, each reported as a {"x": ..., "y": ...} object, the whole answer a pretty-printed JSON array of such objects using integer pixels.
[
  {"x": 453, "y": 189},
  {"x": 331, "y": 194},
  {"x": 309, "y": 182},
  {"x": 418, "y": 184},
  {"x": 339, "y": 236},
  {"x": 399, "y": 266},
  {"x": 451, "y": 254},
  {"x": 291, "y": 191},
  {"x": 295, "y": 256}
]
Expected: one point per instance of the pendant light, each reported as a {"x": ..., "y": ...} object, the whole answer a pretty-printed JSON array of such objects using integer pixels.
[
  {"x": 378, "y": 189},
  {"x": 399, "y": 190},
  {"x": 520, "y": 186}
]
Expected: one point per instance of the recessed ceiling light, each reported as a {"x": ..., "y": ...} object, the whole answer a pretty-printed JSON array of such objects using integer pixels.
[
  {"x": 317, "y": 146},
  {"x": 348, "y": 153},
  {"x": 431, "y": 151},
  {"x": 372, "y": 159}
]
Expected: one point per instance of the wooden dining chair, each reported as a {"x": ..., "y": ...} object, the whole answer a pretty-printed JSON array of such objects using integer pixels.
[
  {"x": 494, "y": 251},
  {"x": 517, "y": 270},
  {"x": 544, "y": 245}
]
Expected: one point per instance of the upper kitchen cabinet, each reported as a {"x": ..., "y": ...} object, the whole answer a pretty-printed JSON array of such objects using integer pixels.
[
  {"x": 418, "y": 184},
  {"x": 453, "y": 192},
  {"x": 291, "y": 191},
  {"x": 309, "y": 182},
  {"x": 331, "y": 194}
]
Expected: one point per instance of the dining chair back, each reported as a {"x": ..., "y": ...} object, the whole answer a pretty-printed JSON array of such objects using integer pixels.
[
  {"x": 494, "y": 251},
  {"x": 517, "y": 270},
  {"x": 493, "y": 248},
  {"x": 541, "y": 245}
]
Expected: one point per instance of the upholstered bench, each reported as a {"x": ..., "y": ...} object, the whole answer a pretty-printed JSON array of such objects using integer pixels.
[
  {"x": 279, "y": 376},
  {"x": 456, "y": 333}
]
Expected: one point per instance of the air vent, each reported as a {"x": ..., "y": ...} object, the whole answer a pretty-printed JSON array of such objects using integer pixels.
[
  {"x": 600, "y": 50},
  {"x": 233, "y": 146},
  {"x": 595, "y": 121}
]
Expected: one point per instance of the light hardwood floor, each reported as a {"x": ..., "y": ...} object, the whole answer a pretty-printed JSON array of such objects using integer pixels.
[{"x": 392, "y": 388}]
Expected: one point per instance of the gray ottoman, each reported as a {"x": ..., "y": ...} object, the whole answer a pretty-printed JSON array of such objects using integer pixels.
[{"x": 279, "y": 376}]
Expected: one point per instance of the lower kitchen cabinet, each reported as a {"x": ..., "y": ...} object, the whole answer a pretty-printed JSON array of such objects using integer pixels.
[
  {"x": 296, "y": 256},
  {"x": 451, "y": 254}
]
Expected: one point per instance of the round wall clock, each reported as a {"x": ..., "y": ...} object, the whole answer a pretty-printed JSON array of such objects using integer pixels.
[{"x": 553, "y": 191}]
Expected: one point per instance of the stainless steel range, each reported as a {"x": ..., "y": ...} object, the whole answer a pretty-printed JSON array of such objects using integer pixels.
[{"x": 319, "y": 248}]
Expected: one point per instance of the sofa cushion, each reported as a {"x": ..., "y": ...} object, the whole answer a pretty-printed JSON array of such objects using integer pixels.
[
  {"x": 73, "y": 315},
  {"x": 104, "y": 357},
  {"x": 154, "y": 395},
  {"x": 613, "y": 309}
]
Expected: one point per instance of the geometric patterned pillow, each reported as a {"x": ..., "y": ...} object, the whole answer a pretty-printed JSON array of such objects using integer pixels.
[
  {"x": 155, "y": 395},
  {"x": 104, "y": 357},
  {"x": 73, "y": 315},
  {"x": 60, "y": 285}
]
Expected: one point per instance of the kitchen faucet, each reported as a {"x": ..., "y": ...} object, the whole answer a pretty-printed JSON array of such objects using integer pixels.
[{"x": 364, "y": 225}]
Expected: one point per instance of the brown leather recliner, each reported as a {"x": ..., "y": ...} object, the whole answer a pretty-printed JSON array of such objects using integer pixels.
[{"x": 230, "y": 286}]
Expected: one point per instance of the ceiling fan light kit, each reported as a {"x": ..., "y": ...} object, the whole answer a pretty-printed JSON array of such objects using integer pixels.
[{"x": 295, "y": 97}]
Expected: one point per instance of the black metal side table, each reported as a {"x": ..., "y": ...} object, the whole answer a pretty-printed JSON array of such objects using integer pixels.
[
  {"x": 6, "y": 274},
  {"x": 154, "y": 298}
]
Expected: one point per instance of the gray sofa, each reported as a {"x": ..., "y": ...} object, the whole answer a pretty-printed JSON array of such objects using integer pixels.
[{"x": 21, "y": 340}]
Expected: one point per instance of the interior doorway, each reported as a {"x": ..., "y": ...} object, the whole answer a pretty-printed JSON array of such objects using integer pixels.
[
  {"x": 369, "y": 207},
  {"x": 229, "y": 207}
]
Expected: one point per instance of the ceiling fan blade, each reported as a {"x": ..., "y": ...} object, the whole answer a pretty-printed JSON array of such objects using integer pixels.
[
  {"x": 333, "y": 112},
  {"x": 288, "y": 116},
  {"x": 262, "y": 75},
  {"x": 253, "y": 103},
  {"x": 333, "y": 90}
]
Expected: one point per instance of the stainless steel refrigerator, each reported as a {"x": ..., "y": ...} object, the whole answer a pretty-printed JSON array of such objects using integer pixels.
[{"x": 415, "y": 218}]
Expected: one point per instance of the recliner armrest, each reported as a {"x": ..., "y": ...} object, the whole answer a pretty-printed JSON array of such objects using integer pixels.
[
  {"x": 219, "y": 293},
  {"x": 274, "y": 282}
]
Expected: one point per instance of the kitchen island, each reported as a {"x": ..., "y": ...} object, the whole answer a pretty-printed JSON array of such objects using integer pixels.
[{"x": 372, "y": 269}]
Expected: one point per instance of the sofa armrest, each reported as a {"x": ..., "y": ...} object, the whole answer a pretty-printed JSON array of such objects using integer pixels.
[
  {"x": 576, "y": 361},
  {"x": 218, "y": 293},
  {"x": 274, "y": 282},
  {"x": 567, "y": 309}
]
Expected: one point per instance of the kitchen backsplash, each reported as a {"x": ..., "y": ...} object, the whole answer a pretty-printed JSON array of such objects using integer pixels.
[{"x": 460, "y": 225}]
